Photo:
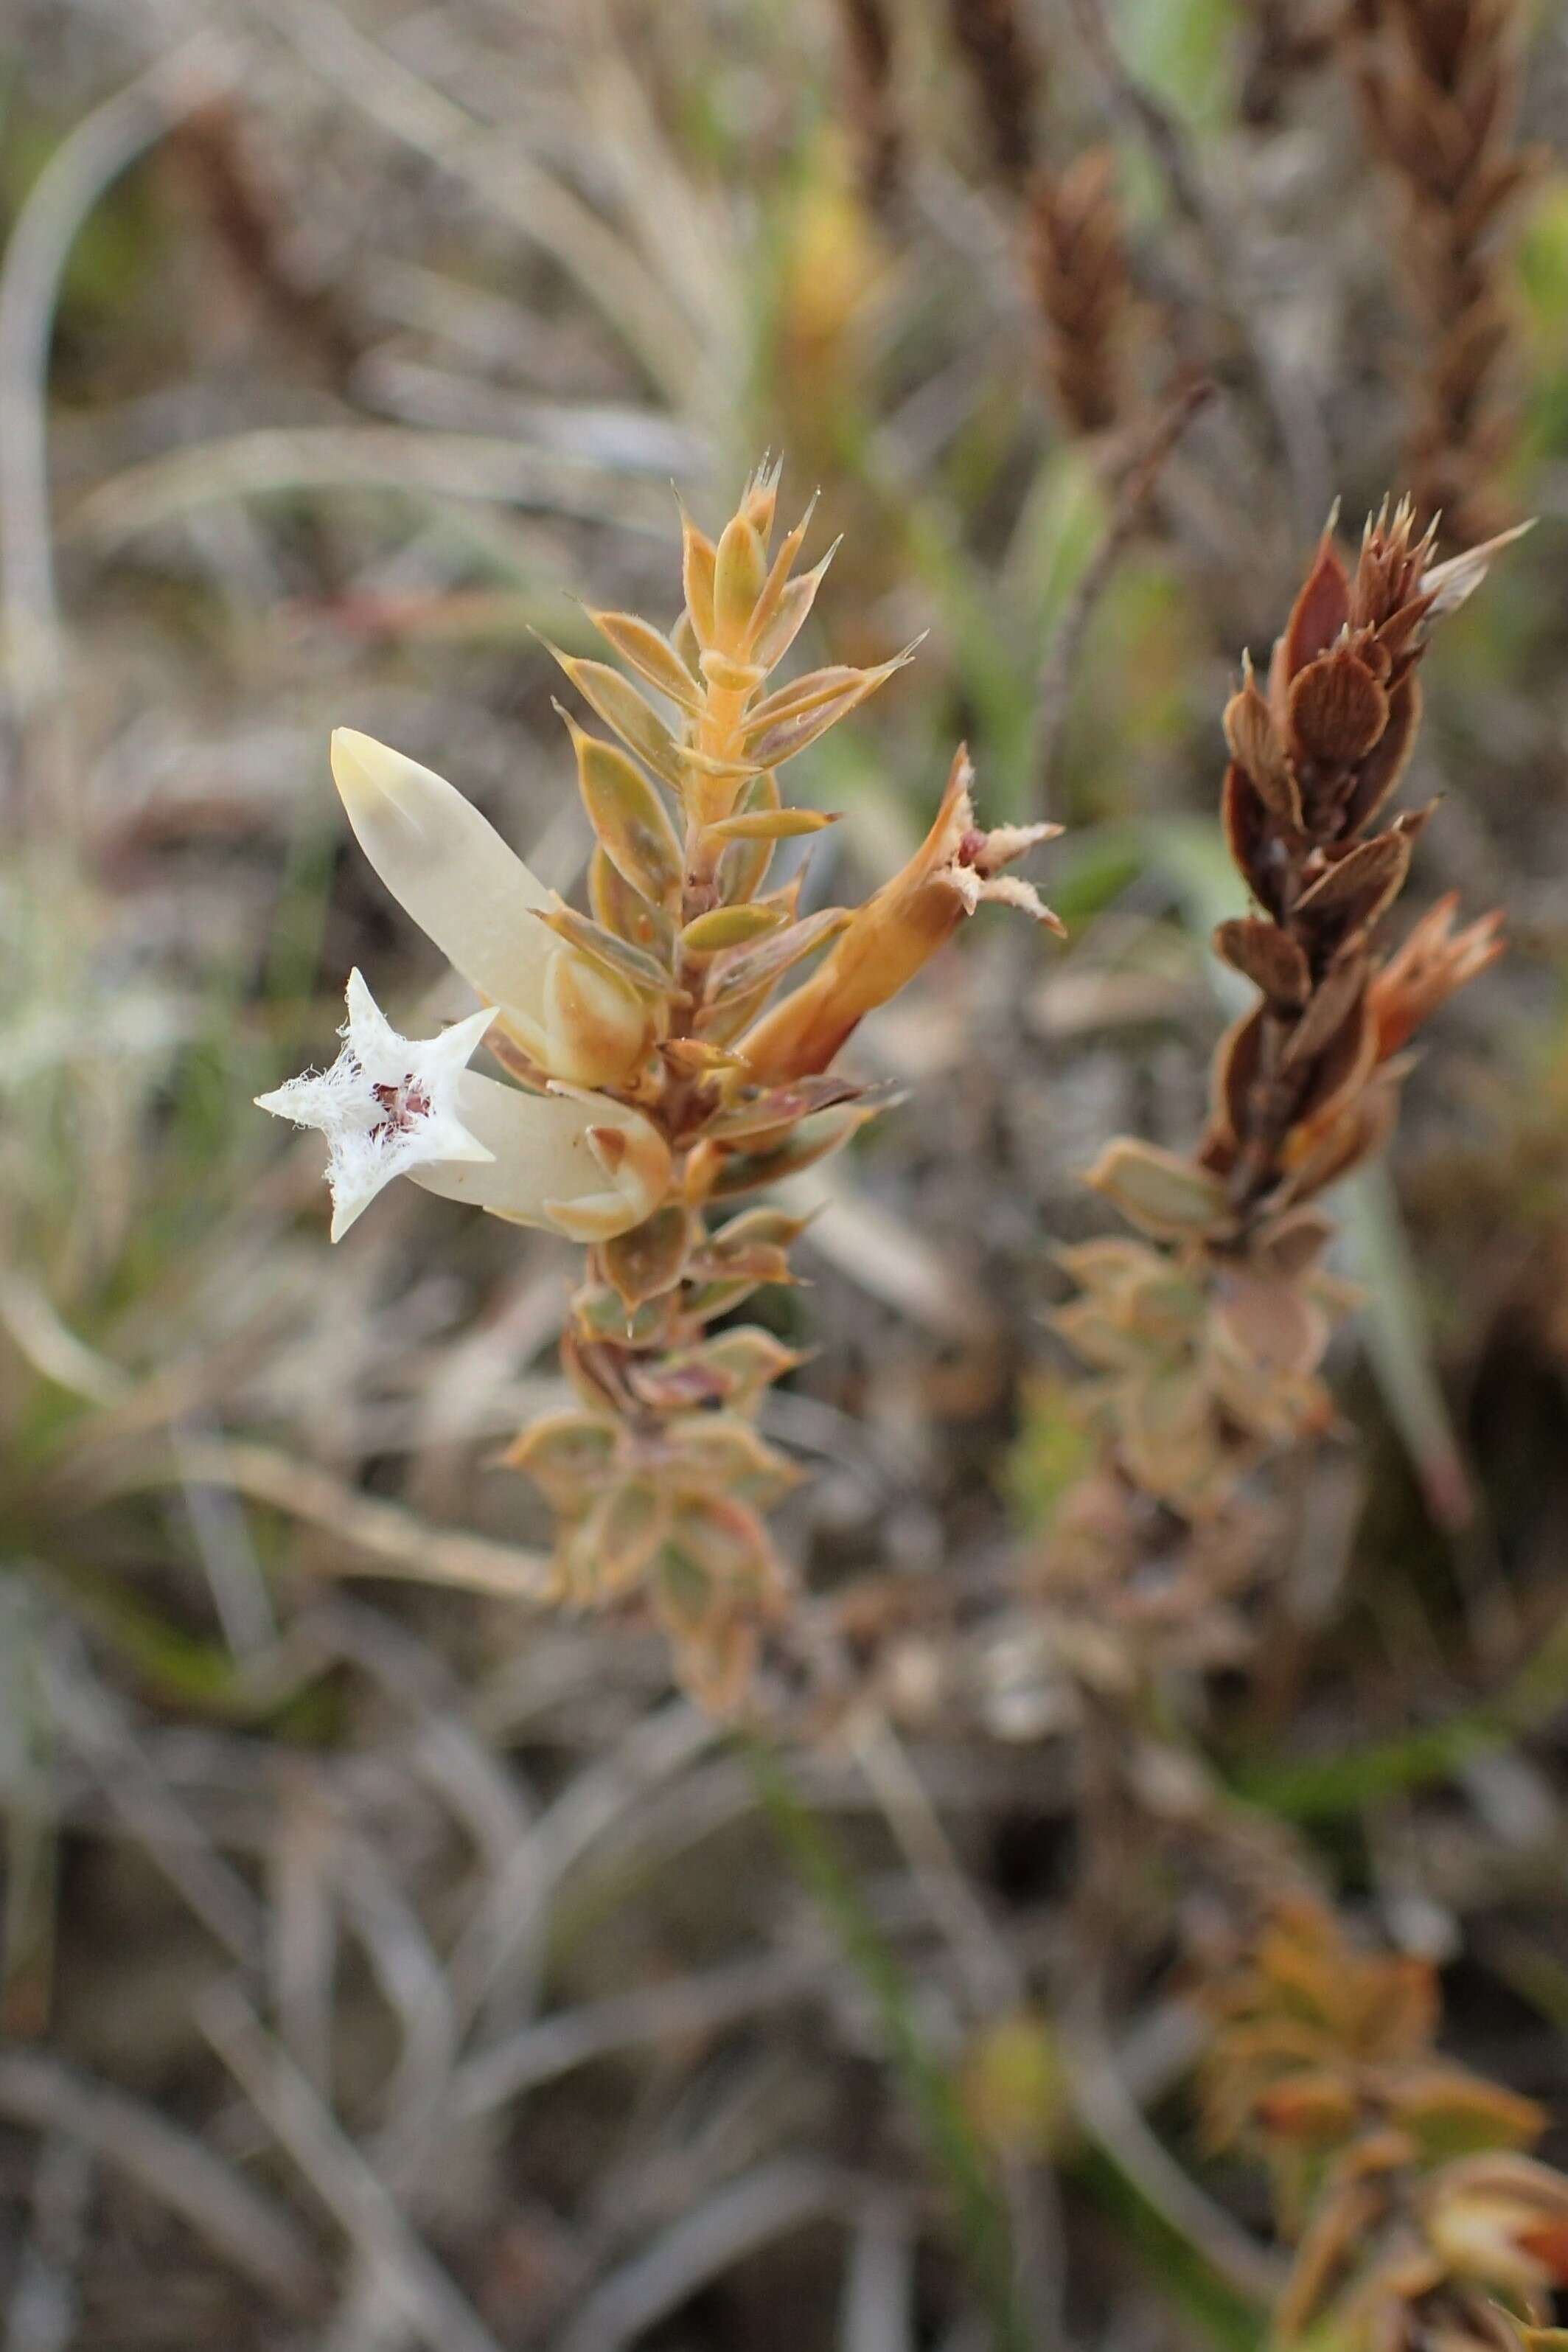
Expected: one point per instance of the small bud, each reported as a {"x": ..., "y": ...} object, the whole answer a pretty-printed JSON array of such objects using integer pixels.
[
  {"x": 740, "y": 567},
  {"x": 483, "y": 908},
  {"x": 593, "y": 1030},
  {"x": 697, "y": 569}
]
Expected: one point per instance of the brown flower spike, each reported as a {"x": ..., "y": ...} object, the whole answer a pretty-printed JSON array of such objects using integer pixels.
[
  {"x": 1077, "y": 274},
  {"x": 1440, "y": 82},
  {"x": 1208, "y": 1344}
]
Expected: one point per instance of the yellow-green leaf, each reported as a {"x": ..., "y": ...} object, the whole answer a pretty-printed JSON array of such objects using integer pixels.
[
  {"x": 632, "y": 822},
  {"x": 621, "y": 705},
  {"x": 773, "y": 824},
  {"x": 730, "y": 927},
  {"x": 652, "y": 655}
]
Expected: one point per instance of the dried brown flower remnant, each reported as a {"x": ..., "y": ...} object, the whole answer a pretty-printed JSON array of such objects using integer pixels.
[
  {"x": 1207, "y": 1348},
  {"x": 1434, "y": 961},
  {"x": 1078, "y": 273},
  {"x": 868, "y": 53},
  {"x": 1398, "y": 2174},
  {"x": 886, "y": 941},
  {"x": 1440, "y": 82},
  {"x": 990, "y": 36}
]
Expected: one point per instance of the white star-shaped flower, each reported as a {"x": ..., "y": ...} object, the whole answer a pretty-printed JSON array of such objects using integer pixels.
[
  {"x": 579, "y": 1162},
  {"x": 387, "y": 1106}
]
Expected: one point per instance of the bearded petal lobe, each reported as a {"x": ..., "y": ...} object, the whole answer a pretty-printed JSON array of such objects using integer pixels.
[{"x": 387, "y": 1106}]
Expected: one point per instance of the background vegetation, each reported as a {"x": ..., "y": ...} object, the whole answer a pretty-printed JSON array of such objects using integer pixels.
[{"x": 386, "y": 1961}]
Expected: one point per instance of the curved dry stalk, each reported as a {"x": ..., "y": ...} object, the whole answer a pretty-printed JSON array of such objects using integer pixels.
[
  {"x": 86, "y": 162},
  {"x": 423, "y": 2292},
  {"x": 167, "y": 2164},
  {"x": 641, "y": 308}
]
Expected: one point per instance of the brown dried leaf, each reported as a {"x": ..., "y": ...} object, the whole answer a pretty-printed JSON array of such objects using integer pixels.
[
  {"x": 1354, "y": 889},
  {"x": 1256, "y": 746},
  {"x": 1320, "y": 610},
  {"x": 1251, "y": 838},
  {"x": 1385, "y": 763},
  {"x": 1269, "y": 1322},
  {"x": 1333, "y": 1002},
  {"x": 1291, "y": 1245},
  {"x": 1268, "y": 957},
  {"x": 1337, "y": 712}
]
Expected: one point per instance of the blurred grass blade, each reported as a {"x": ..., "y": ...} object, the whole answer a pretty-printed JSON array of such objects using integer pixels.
[
  {"x": 981, "y": 2224},
  {"x": 1398, "y": 1337}
]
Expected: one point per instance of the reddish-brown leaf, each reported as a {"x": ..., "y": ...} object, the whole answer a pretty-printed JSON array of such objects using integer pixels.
[
  {"x": 1270, "y": 957},
  {"x": 1386, "y": 762},
  {"x": 1319, "y": 613},
  {"x": 1338, "y": 711}
]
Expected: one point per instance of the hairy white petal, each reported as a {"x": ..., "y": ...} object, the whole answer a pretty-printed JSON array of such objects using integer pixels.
[
  {"x": 388, "y": 1106},
  {"x": 393, "y": 1106},
  {"x": 450, "y": 867}
]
